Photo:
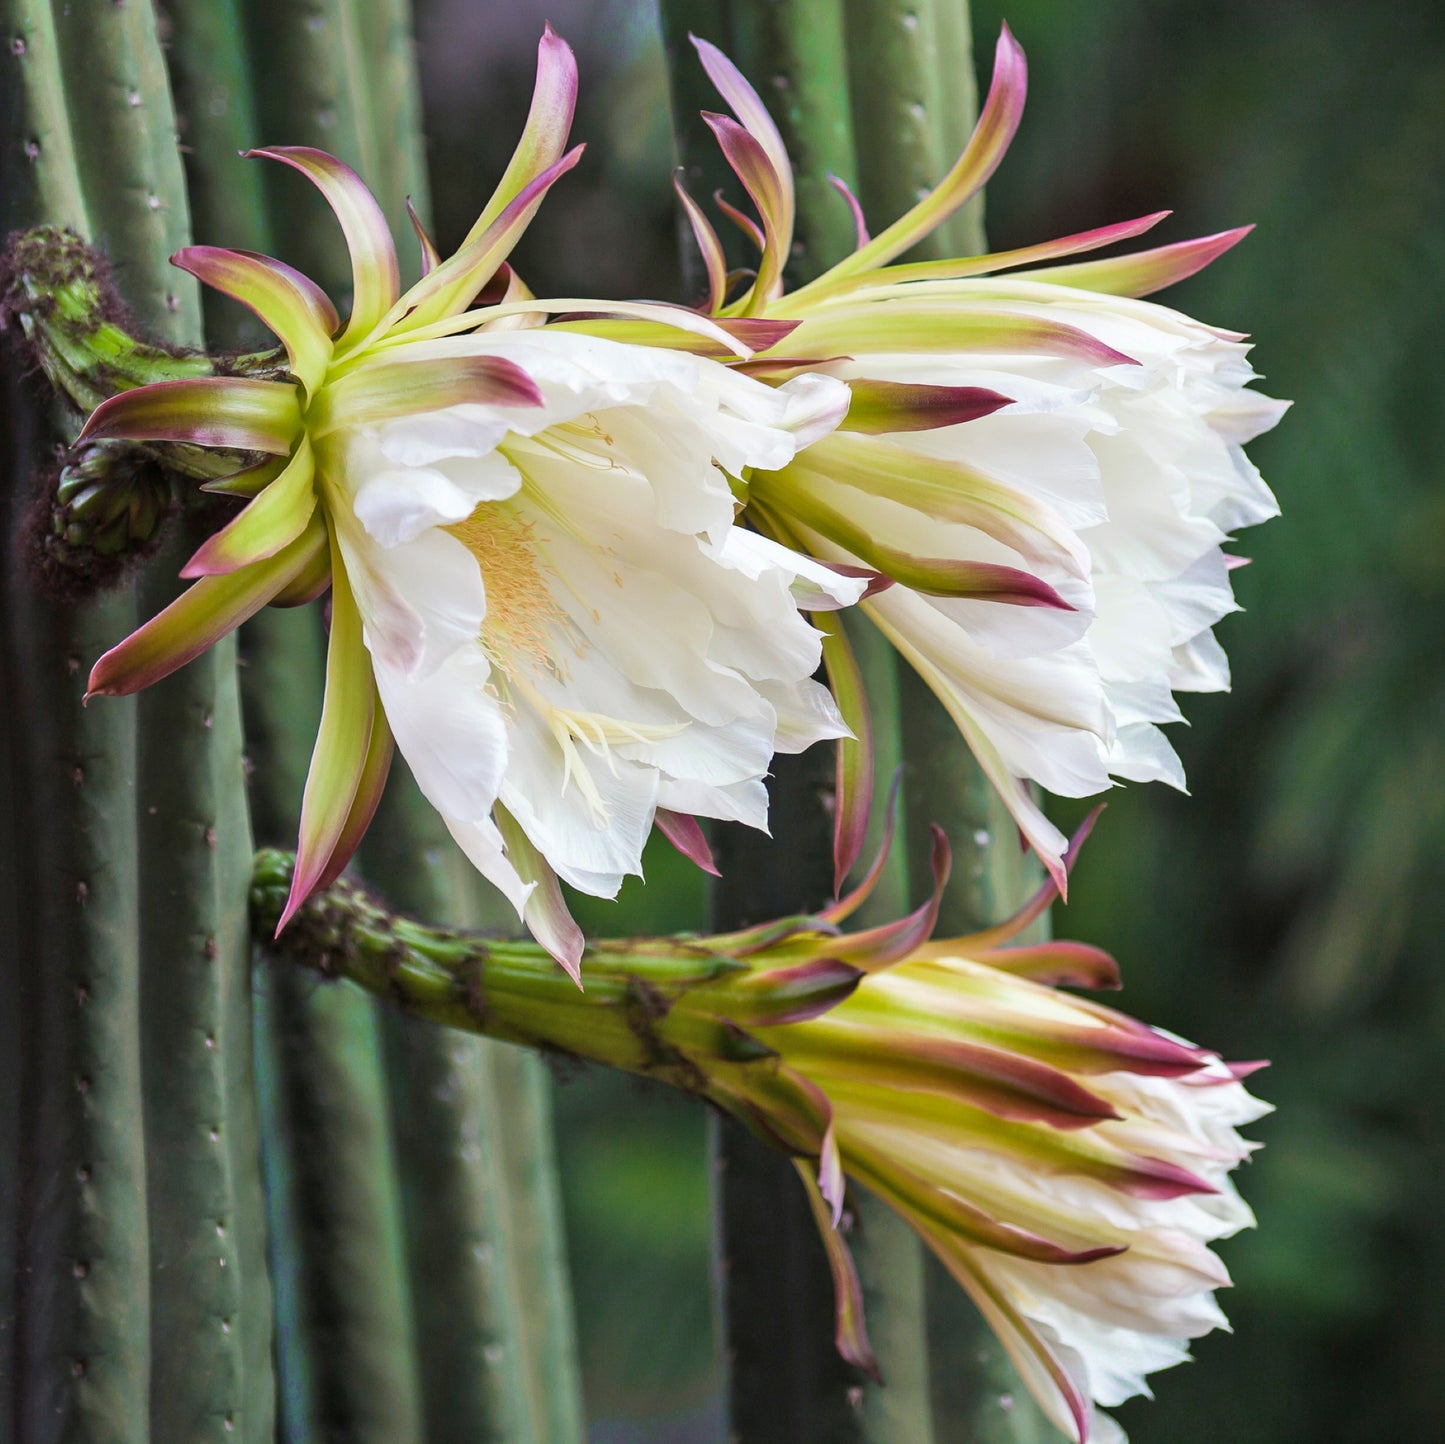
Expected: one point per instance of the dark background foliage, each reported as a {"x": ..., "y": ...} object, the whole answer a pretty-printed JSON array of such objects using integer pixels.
[{"x": 1291, "y": 907}]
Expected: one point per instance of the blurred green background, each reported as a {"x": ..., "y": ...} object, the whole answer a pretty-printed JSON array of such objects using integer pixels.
[{"x": 1290, "y": 908}]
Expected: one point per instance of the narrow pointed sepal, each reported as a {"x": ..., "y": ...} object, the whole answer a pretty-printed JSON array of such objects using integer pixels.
[
  {"x": 375, "y": 274},
  {"x": 772, "y": 997},
  {"x": 849, "y": 903},
  {"x": 853, "y": 772},
  {"x": 448, "y": 289},
  {"x": 430, "y": 256},
  {"x": 770, "y": 193},
  {"x": 707, "y": 242},
  {"x": 369, "y": 788},
  {"x": 385, "y": 389},
  {"x": 276, "y": 516},
  {"x": 549, "y": 121},
  {"x": 545, "y": 912},
  {"x": 685, "y": 833},
  {"x": 877, "y": 948},
  {"x": 1036, "y": 905},
  {"x": 227, "y": 411},
  {"x": 855, "y": 207},
  {"x": 850, "y": 1328},
  {"x": 1058, "y": 965},
  {"x": 343, "y": 743},
  {"x": 200, "y": 617},
  {"x": 249, "y": 482},
  {"x": 288, "y": 303},
  {"x": 891, "y": 406},
  {"x": 1144, "y": 272},
  {"x": 960, "y": 267}
]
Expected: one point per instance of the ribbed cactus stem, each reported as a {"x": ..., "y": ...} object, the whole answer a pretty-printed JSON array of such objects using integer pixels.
[
  {"x": 76, "y": 1264},
  {"x": 343, "y": 1316},
  {"x": 210, "y": 1316},
  {"x": 82, "y": 1285},
  {"x": 911, "y": 77},
  {"x": 448, "y": 1115},
  {"x": 125, "y": 143},
  {"x": 216, "y": 110}
]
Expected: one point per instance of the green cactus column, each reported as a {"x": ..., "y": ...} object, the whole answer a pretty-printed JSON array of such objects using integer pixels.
[
  {"x": 786, "y": 1381},
  {"x": 141, "y": 1302},
  {"x": 880, "y": 92},
  {"x": 911, "y": 74}
]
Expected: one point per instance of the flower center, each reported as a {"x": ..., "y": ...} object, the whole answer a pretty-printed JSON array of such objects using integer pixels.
[{"x": 522, "y": 615}]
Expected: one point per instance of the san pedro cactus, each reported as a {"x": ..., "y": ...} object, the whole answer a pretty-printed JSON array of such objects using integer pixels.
[{"x": 565, "y": 668}]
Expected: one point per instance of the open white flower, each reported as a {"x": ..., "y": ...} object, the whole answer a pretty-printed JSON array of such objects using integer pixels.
[
  {"x": 1115, "y": 484},
  {"x": 537, "y": 589},
  {"x": 562, "y": 617}
]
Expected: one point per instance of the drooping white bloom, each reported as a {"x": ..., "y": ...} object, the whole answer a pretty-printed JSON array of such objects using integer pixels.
[
  {"x": 1069, "y": 1165},
  {"x": 1116, "y": 484},
  {"x": 1045, "y": 465}
]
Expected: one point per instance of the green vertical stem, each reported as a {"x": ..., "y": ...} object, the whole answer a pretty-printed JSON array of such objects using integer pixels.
[
  {"x": 78, "y": 1347},
  {"x": 38, "y": 181},
  {"x": 125, "y": 141},
  {"x": 216, "y": 112},
  {"x": 343, "y": 1318},
  {"x": 211, "y": 1364},
  {"x": 539, "y": 1242},
  {"x": 911, "y": 78},
  {"x": 210, "y": 1374},
  {"x": 93, "y": 1322},
  {"x": 82, "y": 1297},
  {"x": 786, "y": 1382},
  {"x": 794, "y": 53},
  {"x": 447, "y": 1114}
]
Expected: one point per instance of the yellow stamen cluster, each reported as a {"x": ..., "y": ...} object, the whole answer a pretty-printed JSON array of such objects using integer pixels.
[{"x": 523, "y": 618}]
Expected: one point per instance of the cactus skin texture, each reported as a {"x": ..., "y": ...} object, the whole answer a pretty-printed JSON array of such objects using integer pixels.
[{"x": 138, "y": 1289}]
